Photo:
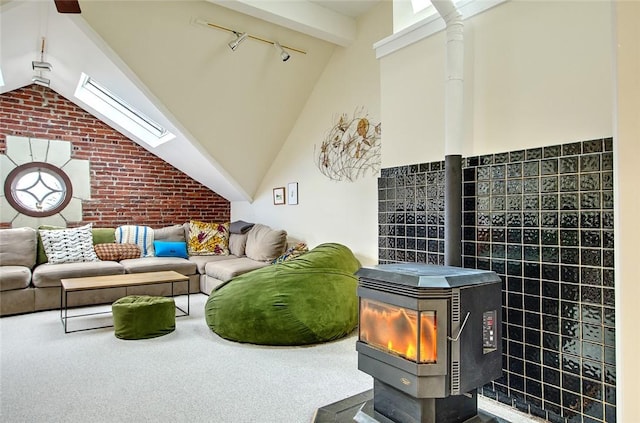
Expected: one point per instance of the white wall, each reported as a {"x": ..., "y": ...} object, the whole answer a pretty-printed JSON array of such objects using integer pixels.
[
  {"x": 627, "y": 200},
  {"x": 536, "y": 73},
  {"x": 329, "y": 211}
]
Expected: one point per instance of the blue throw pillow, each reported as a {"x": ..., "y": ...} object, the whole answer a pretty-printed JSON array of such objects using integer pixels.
[{"x": 170, "y": 249}]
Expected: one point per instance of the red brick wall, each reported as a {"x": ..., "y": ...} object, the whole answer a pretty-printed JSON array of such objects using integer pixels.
[{"x": 129, "y": 185}]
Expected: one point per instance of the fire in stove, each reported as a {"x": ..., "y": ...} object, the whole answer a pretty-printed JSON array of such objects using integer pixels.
[
  {"x": 397, "y": 330},
  {"x": 429, "y": 336}
]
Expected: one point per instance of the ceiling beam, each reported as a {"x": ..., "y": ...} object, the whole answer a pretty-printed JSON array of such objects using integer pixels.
[{"x": 299, "y": 15}]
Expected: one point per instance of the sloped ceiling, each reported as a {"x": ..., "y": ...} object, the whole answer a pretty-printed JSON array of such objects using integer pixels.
[{"x": 232, "y": 110}]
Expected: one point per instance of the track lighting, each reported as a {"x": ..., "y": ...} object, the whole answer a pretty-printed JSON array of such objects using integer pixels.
[
  {"x": 283, "y": 54},
  {"x": 39, "y": 80},
  {"x": 240, "y": 37},
  {"x": 40, "y": 66}
]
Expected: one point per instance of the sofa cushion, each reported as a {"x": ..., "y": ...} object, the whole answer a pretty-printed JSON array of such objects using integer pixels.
[
  {"x": 208, "y": 238},
  {"x": 201, "y": 261},
  {"x": 103, "y": 235},
  {"x": 115, "y": 251},
  {"x": 136, "y": 234},
  {"x": 157, "y": 264},
  {"x": 170, "y": 249},
  {"x": 73, "y": 245},
  {"x": 18, "y": 247},
  {"x": 14, "y": 277},
  {"x": 49, "y": 275},
  {"x": 237, "y": 244},
  {"x": 227, "y": 269},
  {"x": 170, "y": 233},
  {"x": 264, "y": 243}
]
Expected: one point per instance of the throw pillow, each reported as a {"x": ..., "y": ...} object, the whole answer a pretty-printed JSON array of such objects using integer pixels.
[
  {"x": 170, "y": 249},
  {"x": 293, "y": 252},
  {"x": 207, "y": 239},
  {"x": 264, "y": 243},
  {"x": 240, "y": 227},
  {"x": 69, "y": 245},
  {"x": 41, "y": 256},
  {"x": 113, "y": 251},
  {"x": 142, "y": 236}
]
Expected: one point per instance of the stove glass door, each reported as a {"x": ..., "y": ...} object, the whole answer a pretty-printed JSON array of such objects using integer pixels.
[{"x": 396, "y": 330}]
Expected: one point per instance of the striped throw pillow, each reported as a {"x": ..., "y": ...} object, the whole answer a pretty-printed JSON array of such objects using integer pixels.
[
  {"x": 142, "y": 236},
  {"x": 68, "y": 245}
]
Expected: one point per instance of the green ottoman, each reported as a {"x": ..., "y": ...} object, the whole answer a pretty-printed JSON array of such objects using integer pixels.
[{"x": 143, "y": 316}]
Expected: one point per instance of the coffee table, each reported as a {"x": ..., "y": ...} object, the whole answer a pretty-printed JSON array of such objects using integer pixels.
[{"x": 93, "y": 283}]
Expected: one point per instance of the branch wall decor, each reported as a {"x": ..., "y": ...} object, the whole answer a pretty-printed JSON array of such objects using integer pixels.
[{"x": 350, "y": 149}]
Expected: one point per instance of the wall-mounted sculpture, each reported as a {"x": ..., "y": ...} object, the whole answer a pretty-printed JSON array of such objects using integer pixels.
[{"x": 350, "y": 149}]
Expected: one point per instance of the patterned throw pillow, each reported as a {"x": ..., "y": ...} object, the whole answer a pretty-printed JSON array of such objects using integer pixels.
[
  {"x": 207, "y": 239},
  {"x": 68, "y": 245},
  {"x": 142, "y": 236},
  {"x": 293, "y": 252},
  {"x": 113, "y": 251}
]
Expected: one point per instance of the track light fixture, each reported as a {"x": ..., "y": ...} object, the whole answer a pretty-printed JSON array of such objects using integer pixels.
[
  {"x": 39, "y": 80},
  {"x": 240, "y": 37},
  {"x": 40, "y": 66},
  {"x": 283, "y": 54}
]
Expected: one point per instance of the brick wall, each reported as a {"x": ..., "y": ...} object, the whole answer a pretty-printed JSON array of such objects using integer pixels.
[{"x": 128, "y": 184}]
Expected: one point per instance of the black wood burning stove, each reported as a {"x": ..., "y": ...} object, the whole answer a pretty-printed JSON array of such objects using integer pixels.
[{"x": 429, "y": 336}]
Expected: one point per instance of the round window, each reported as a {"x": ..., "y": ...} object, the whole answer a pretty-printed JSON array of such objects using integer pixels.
[{"x": 38, "y": 189}]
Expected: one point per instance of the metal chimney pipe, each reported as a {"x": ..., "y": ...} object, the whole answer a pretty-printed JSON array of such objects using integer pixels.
[{"x": 454, "y": 114}]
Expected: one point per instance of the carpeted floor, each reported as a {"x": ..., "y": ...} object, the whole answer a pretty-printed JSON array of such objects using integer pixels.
[{"x": 190, "y": 375}]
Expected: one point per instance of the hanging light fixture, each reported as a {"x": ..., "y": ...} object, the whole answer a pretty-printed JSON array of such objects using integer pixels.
[
  {"x": 240, "y": 37},
  {"x": 283, "y": 54},
  {"x": 39, "y": 80},
  {"x": 41, "y": 65}
]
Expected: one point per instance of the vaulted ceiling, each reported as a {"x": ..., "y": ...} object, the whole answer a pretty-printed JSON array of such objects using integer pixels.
[{"x": 232, "y": 110}]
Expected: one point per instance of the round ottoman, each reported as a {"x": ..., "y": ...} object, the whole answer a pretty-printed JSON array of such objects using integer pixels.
[
  {"x": 143, "y": 316},
  {"x": 306, "y": 300}
]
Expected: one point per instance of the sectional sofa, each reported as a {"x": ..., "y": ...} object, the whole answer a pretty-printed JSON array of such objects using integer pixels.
[{"x": 29, "y": 283}]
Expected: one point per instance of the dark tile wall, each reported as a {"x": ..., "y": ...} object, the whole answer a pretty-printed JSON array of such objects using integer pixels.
[{"x": 542, "y": 219}]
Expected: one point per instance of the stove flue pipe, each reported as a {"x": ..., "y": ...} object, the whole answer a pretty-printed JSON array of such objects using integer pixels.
[{"x": 454, "y": 114}]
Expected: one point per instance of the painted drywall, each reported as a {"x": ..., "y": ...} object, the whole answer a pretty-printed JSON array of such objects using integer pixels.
[
  {"x": 536, "y": 73},
  {"x": 329, "y": 211},
  {"x": 626, "y": 153}
]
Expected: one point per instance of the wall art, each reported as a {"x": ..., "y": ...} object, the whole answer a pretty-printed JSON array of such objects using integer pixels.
[
  {"x": 278, "y": 196},
  {"x": 350, "y": 149},
  {"x": 292, "y": 188}
]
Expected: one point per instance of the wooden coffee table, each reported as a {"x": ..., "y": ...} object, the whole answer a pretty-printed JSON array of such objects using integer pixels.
[{"x": 93, "y": 283}]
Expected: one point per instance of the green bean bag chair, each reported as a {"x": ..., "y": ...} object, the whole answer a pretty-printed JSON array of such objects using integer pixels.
[{"x": 306, "y": 300}]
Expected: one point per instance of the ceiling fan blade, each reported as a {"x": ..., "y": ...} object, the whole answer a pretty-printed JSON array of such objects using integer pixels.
[{"x": 67, "y": 6}]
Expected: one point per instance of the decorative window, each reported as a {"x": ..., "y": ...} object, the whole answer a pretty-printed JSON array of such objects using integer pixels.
[{"x": 38, "y": 189}]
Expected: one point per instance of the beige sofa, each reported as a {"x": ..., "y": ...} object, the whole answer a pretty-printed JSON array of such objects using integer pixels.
[{"x": 26, "y": 286}]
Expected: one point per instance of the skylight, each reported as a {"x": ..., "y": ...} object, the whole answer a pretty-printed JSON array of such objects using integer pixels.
[{"x": 119, "y": 112}]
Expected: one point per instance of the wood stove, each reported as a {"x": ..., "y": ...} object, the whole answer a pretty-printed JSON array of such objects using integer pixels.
[{"x": 429, "y": 336}]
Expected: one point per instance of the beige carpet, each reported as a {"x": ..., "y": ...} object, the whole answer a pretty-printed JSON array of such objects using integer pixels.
[{"x": 190, "y": 375}]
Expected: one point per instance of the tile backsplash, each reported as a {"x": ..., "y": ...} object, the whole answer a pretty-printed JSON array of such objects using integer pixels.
[{"x": 542, "y": 219}]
